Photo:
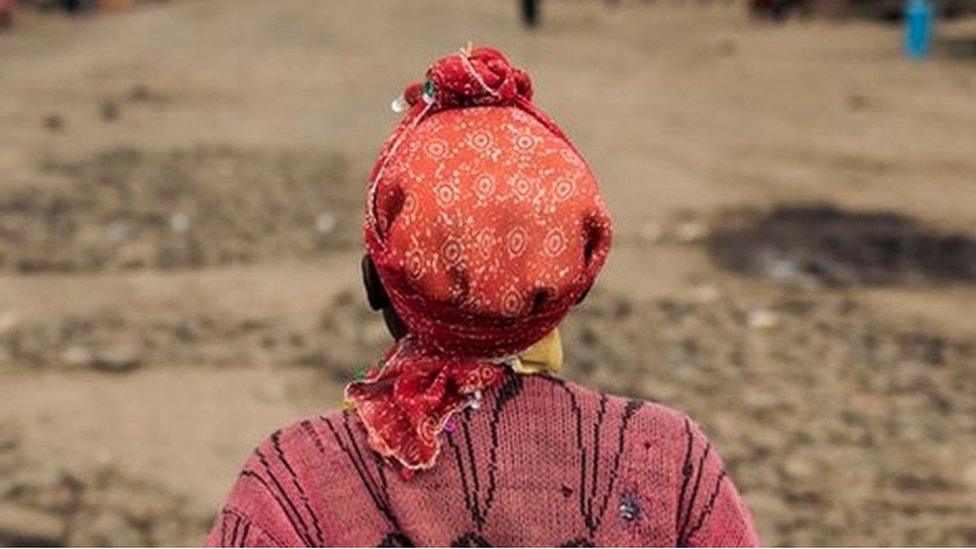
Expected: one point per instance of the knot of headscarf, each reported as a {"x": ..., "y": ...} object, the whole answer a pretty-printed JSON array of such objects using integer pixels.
[
  {"x": 482, "y": 76},
  {"x": 485, "y": 226}
]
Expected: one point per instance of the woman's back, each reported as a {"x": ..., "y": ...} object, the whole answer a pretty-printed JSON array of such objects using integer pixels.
[
  {"x": 484, "y": 227},
  {"x": 542, "y": 462}
]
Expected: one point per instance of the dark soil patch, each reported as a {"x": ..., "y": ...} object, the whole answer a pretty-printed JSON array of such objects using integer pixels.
[
  {"x": 824, "y": 245},
  {"x": 125, "y": 209},
  {"x": 962, "y": 48}
]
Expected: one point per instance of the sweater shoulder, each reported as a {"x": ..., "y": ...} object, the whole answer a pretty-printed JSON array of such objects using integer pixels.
[
  {"x": 649, "y": 416},
  {"x": 315, "y": 440},
  {"x": 650, "y": 430}
]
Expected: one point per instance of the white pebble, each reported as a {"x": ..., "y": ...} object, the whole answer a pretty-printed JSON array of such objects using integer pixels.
[
  {"x": 8, "y": 321},
  {"x": 179, "y": 222},
  {"x": 325, "y": 222},
  {"x": 77, "y": 356},
  {"x": 691, "y": 232},
  {"x": 762, "y": 319}
]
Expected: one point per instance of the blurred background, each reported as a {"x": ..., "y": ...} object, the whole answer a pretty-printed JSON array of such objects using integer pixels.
[{"x": 794, "y": 259}]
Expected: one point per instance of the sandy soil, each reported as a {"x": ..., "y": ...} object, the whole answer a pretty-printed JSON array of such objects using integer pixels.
[{"x": 179, "y": 248}]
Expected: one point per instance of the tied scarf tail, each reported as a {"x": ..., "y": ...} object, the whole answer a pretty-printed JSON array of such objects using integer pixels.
[{"x": 406, "y": 402}]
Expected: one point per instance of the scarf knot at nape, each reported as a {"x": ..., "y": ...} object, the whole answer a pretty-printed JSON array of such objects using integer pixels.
[
  {"x": 485, "y": 226},
  {"x": 405, "y": 403}
]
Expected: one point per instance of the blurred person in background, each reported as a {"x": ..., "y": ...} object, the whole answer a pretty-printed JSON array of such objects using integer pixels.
[
  {"x": 6, "y": 13},
  {"x": 484, "y": 226}
]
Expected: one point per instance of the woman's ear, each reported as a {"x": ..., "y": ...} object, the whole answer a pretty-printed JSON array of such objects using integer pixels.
[
  {"x": 375, "y": 293},
  {"x": 379, "y": 300},
  {"x": 583, "y": 295},
  {"x": 394, "y": 325}
]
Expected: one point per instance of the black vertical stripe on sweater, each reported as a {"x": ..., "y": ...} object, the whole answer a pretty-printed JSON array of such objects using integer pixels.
[
  {"x": 251, "y": 474},
  {"x": 276, "y": 444},
  {"x": 375, "y": 492},
  {"x": 709, "y": 507},
  {"x": 686, "y": 471},
  {"x": 299, "y": 521},
  {"x": 682, "y": 531}
]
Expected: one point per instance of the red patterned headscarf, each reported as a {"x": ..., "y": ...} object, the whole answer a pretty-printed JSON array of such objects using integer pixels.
[{"x": 485, "y": 226}]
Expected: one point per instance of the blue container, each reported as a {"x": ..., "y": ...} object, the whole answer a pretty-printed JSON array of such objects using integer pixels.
[{"x": 918, "y": 29}]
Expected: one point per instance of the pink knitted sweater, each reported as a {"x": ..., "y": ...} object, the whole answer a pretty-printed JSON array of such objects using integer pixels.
[{"x": 542, "y": 462}]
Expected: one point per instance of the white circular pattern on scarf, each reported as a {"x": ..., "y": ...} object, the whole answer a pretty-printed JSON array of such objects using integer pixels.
[
  {"x": 451, "y": 251},
  {"x": 484, "y": 186},
  {"x": 521, "y": 186},
  {"x": 494, "y": 197},
  {"x": 512, "y": 302},
  {"x": 415, "y": 264},
  {"x": 479, "y": 140},
  {"x": 516, "y": 241},
  {"x": 555, "y": 242},
  {"x": 446, "y": 195},
  {"x": 436, "y": 149},
  {"x": 564, "y": 189}
]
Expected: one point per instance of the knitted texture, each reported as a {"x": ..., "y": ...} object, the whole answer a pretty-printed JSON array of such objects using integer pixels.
[
  {"x": 486, "y": 226},
  {"x": 544, "y": 462}
]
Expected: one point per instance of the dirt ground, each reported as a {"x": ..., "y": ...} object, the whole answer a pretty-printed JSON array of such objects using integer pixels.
[{"x": 179, "y": 244}]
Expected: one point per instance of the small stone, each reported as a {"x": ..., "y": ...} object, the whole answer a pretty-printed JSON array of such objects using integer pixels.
[
  {"x": 124, "y": 358},
  {"x": 691, "y": 232},
  {"x": 21, "y": 525},
  {"x": 325, "y": 222},
  {"x": 180, "y": 222},
  {"x": 8, "y": 321},
  {"x": 77, "y": 355},
  {"x": 762, "y": 319},
  {"x": 783, "y": 270},
  {"x": 797, "y": 468}
]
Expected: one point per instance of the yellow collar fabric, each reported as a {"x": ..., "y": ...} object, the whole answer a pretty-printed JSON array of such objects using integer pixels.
[{"x": 544, "y": 357}]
